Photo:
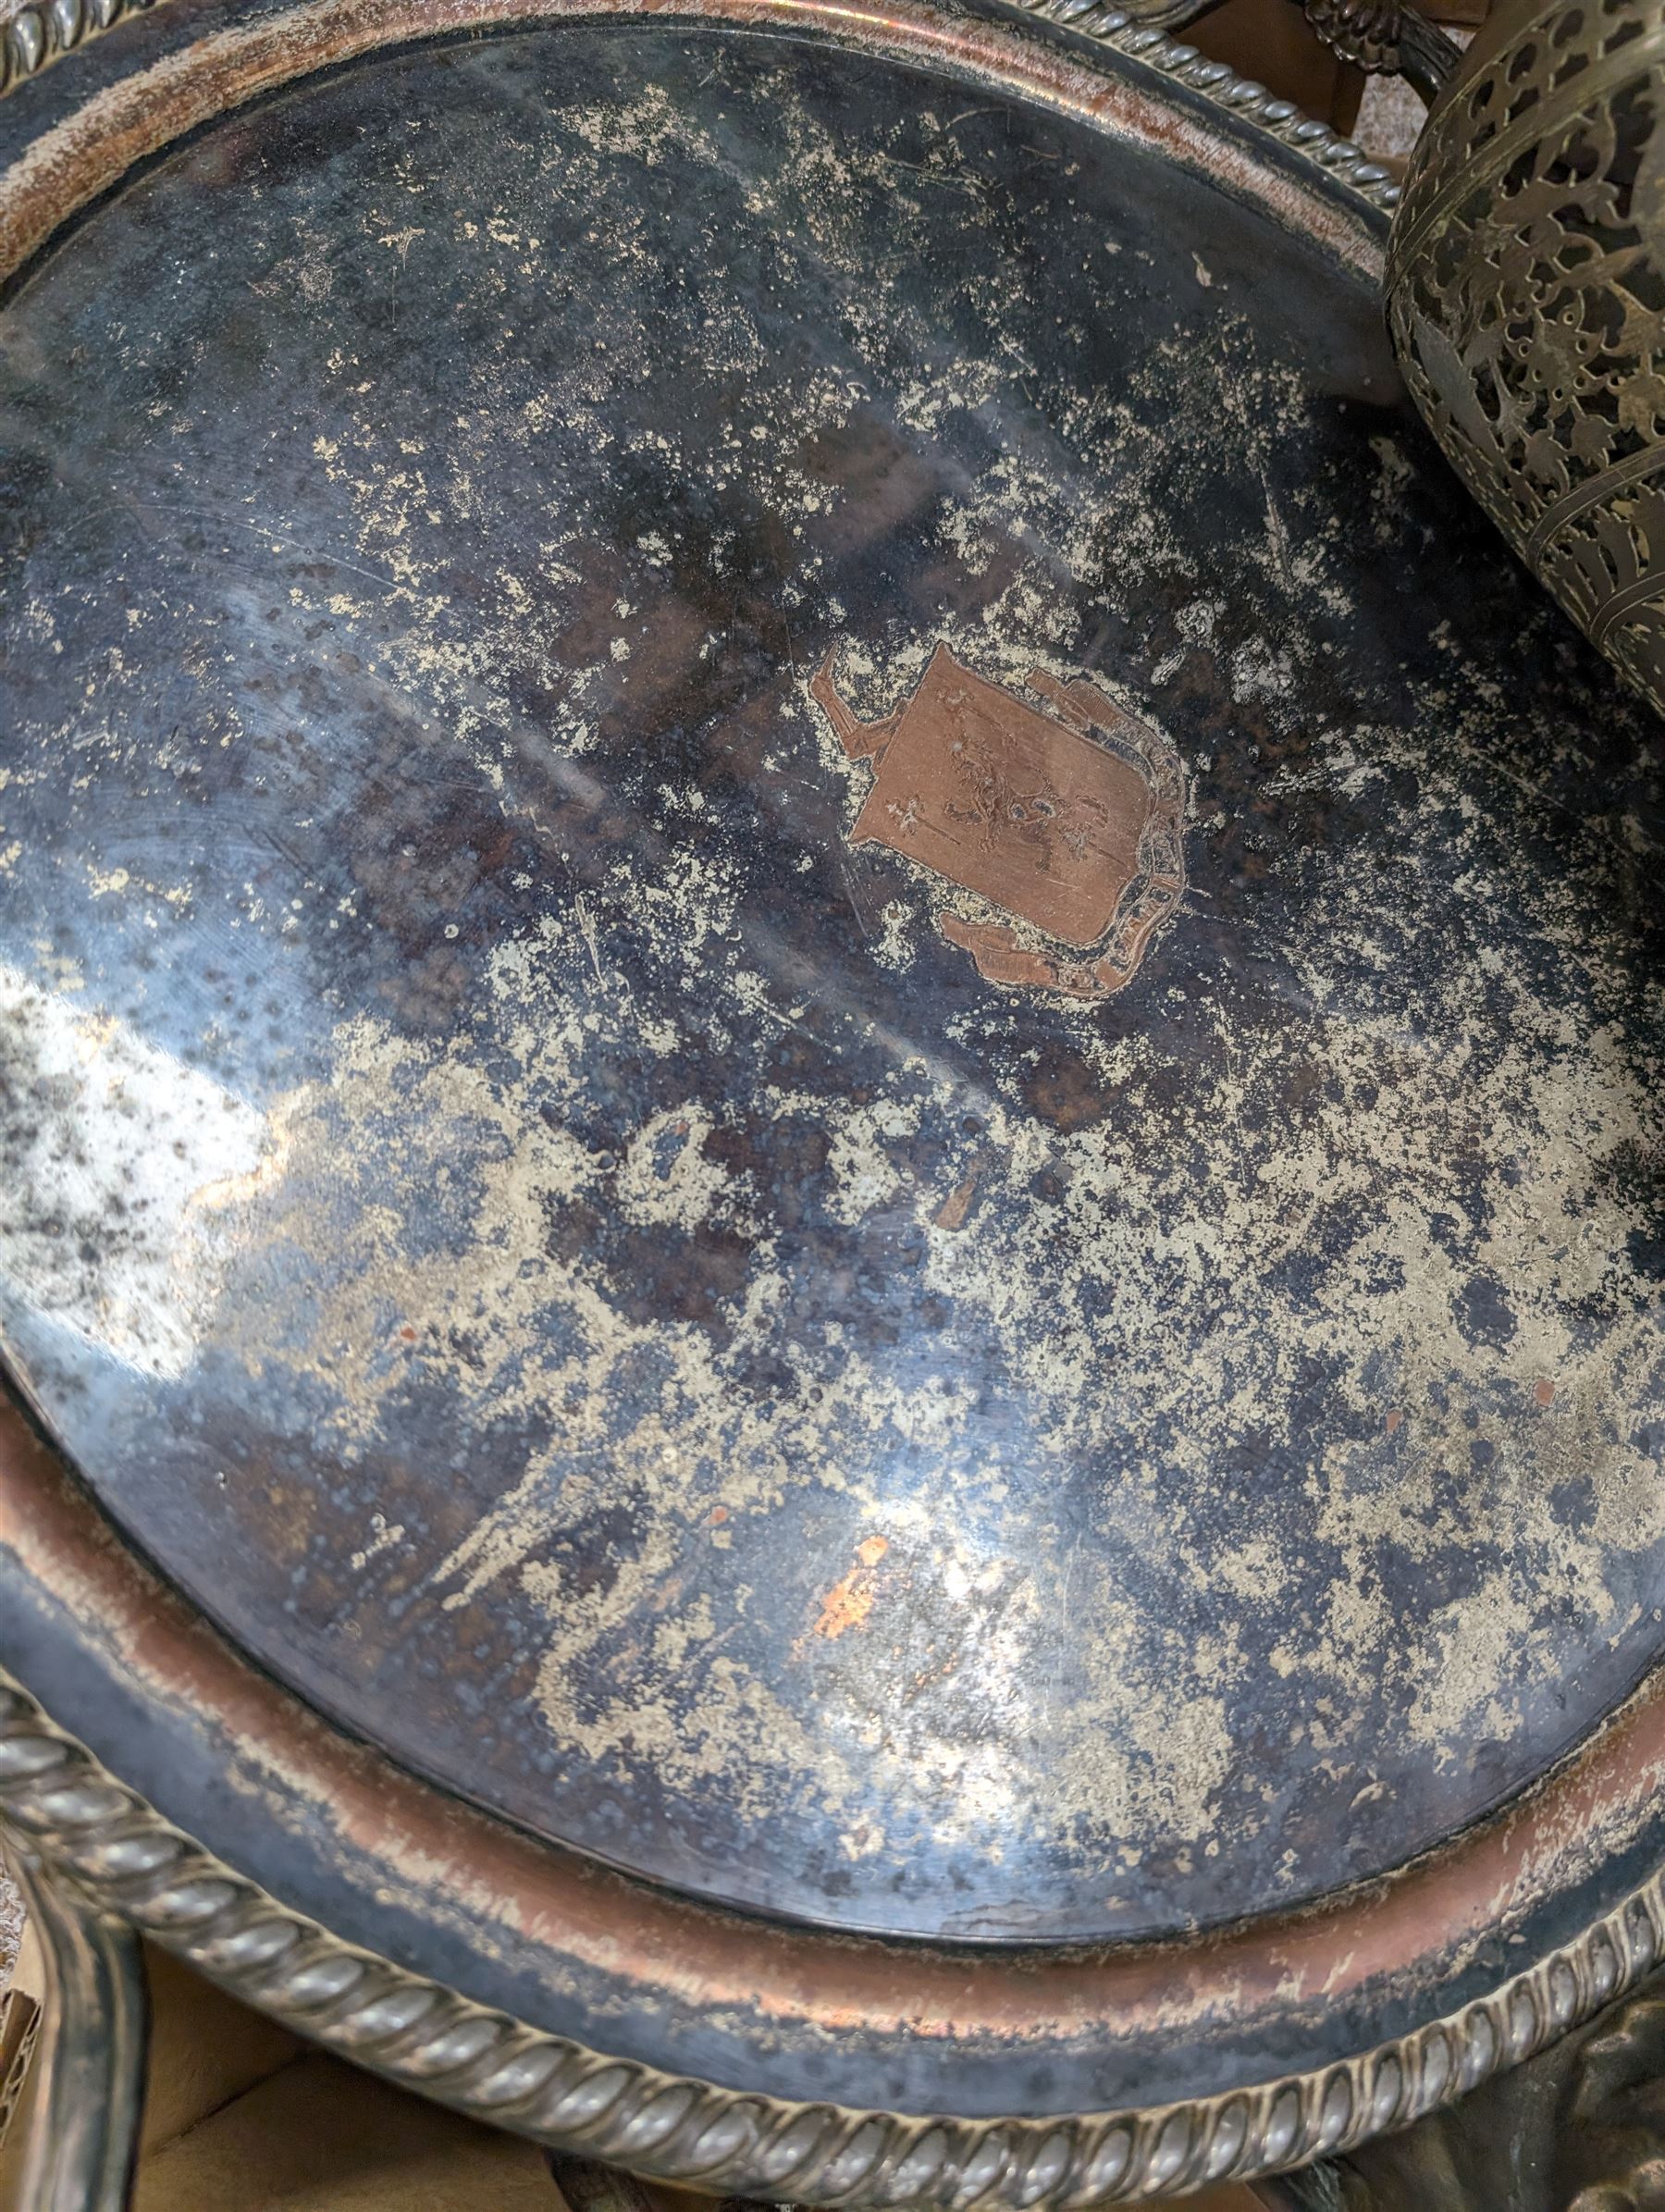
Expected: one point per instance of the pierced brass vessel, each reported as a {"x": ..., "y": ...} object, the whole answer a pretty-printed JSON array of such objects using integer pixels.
[{"x": 1526, "y": 296}]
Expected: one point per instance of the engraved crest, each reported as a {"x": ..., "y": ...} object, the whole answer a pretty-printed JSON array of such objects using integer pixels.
[{"x": 1067, "y": 816}]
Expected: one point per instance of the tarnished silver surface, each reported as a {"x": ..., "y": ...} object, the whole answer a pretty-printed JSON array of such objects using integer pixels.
[
  {"x": 838, "y": 1375},
  {"x": 583, "y": 1217},
  {"x": 32, "y": 35}
]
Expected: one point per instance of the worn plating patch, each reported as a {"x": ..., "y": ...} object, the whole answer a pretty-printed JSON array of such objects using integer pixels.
[{"x": 1068, "y": 819}]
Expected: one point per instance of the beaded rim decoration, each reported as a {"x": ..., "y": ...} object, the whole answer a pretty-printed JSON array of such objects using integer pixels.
[
  {"x": 43, "y": 32},
  {"x": 34, "y": 35},
  {"x": 125, "y": 1857}
]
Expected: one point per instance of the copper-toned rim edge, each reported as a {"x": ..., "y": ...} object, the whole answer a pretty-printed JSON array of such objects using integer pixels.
[
  {"x": 163, "y": 95},
  {"x": 39, "y": 33},
  {"x": 125, "y": 1857}
]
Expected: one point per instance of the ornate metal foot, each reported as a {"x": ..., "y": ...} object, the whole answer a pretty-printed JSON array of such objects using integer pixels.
[
  {"x": 1581, "y": 2129},
  {"x": 1379, "y": 36},
  {"x": 1387, "y": 36},
  {"x": 588, "y": 2186},
  {"x": 89, "y": 2067}
]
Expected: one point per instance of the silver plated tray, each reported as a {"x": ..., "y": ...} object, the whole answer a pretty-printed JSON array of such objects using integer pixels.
[{"x": 827, "y": 1099}]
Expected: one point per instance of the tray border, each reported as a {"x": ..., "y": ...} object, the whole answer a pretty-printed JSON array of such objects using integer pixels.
[
  {"x": 124, "y": 1857},
  {"x": 39, "y": 33}
]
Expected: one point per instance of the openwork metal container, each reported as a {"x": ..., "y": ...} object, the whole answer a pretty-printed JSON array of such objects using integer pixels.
[{"x": 1527, "y": 298}]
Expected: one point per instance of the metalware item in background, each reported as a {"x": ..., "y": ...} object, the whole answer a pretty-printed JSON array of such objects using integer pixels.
[
  {"x": 1387, "y": 36},
  {"x": 20, "y": 2012},
  {"x": 1526, "y": 294},
  {"x": 586, "y": 2185},
  {"x": 87, "y": 2091}
]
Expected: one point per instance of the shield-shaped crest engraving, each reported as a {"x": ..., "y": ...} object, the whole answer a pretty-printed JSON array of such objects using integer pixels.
[{"x": 1067, "y": 815}]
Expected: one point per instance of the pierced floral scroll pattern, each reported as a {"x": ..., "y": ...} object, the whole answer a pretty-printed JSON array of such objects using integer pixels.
[{"x": 1526, "y": 285}]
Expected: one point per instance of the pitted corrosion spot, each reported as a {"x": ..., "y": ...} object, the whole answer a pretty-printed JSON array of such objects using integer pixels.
[{"x": 850, "y": 1600}]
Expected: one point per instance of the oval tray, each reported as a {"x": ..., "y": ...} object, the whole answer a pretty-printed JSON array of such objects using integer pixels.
[{"x": 830, "y": 1111}]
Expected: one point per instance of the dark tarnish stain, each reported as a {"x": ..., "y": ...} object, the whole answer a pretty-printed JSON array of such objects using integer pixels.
[{"x": 545, "y": 1197}]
